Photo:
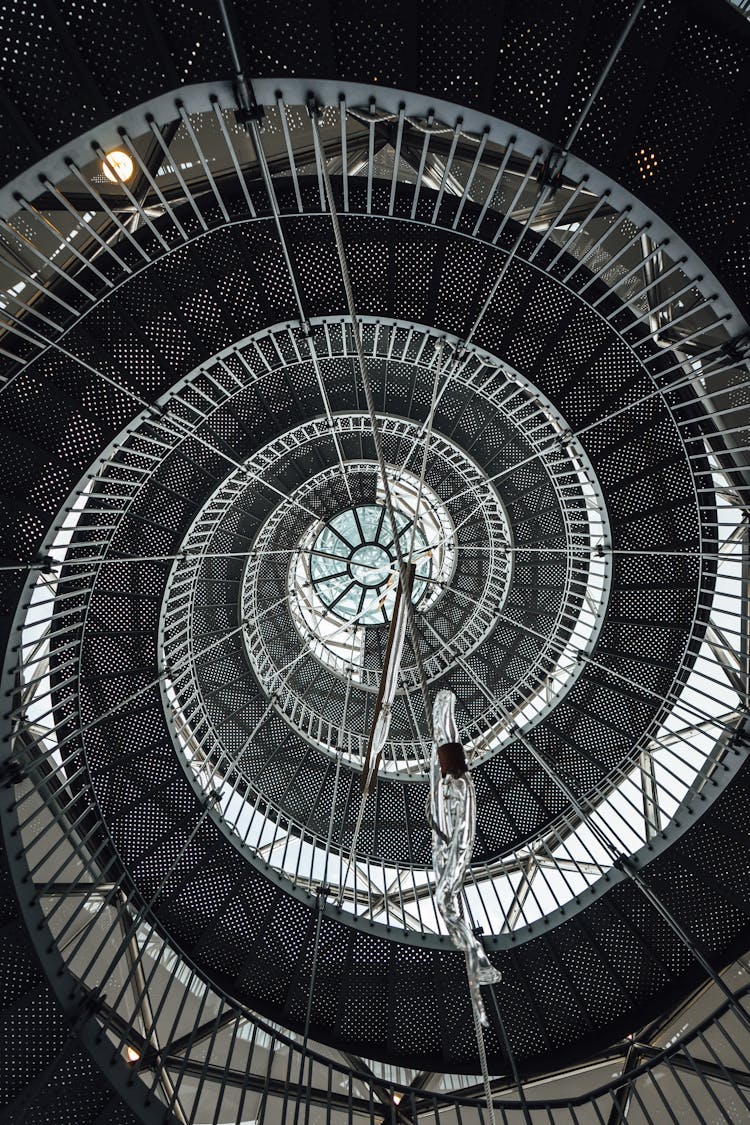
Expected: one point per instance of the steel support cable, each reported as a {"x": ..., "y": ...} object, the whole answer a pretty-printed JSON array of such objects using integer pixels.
[
  {"x": 555, "y": 476},
  {"x": 181, "y": 556},
  {"x": 536, "y": 546},
  {"x": 668, "y": 698},
  {"x": 540, "y": 200},
  {"x": 601, "y": 793},
  {"x": 547, "y": 188},
  {"x": 599, "y": 421},
  {"x": 558, "y": 442},
  {"x": 425, "y": 451},
  {"x": 620, "y": 860},
  {"x": 672, "y": 699},
  {"x": 181, "y": 429},
  {"x": 345, "y": 627},
  {"x": 371, "y": 409},
  {"x": 381, "y": 716},
  {"x": 178, "y": 422},
  {"x": 334, "y": 798},
  {"x": 307, "y": 331},
  {"x": 437, "y": 395},
  {"x": 604, "y": 74},
  {"x": 20, "y": 729},
  {"x": 62, "y": 768},
  {"x": 25, "y": 727}
]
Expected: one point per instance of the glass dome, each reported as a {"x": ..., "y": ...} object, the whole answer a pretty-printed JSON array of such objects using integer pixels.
[{"x": 354, "y": 563}]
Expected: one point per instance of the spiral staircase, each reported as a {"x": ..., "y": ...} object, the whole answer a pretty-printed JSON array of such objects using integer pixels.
[{"x": 246, "y": 252}]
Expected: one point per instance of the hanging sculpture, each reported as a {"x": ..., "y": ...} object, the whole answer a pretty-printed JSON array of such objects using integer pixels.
[
  {"x": 384, "y": 701},
  {"x": 451, "y": 813},
  {"x": 386, "y": 696}
]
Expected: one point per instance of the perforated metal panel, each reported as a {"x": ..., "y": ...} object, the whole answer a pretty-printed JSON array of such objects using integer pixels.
[{"x": 247, "y": 930}]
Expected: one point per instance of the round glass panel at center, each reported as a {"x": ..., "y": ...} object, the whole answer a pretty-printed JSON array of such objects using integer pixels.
[
  {"x": 354, "y": 562},
  {"x": 370, "y": 565}
]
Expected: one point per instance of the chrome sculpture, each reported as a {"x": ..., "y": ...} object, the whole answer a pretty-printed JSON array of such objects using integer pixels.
[{"x": 451, "y": 813}]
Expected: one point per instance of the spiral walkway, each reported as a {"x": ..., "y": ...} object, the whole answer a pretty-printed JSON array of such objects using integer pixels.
[{"x": 542, "y": 220}]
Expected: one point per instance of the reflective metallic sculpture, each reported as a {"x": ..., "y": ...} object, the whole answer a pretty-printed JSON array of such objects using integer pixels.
[
  {"x": 394, "y": 652},
  {"x": 451, "y": 813},
  {"x": 381, "y": 725}
]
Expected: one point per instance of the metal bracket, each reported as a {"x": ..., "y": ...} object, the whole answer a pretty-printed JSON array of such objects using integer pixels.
[
  {"x": 12, "y": 772},
  {"x": 738, "y": 349},
  {"x": 550, "y": 174},
  {"x": 247, "y": 114},
  {"x": 314, "y": 108}
]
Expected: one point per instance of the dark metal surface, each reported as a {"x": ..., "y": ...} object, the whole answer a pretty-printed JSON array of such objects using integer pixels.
[
  {"x": 256, "y": 959},
  {"x": 679, "y": 88},
  {"x": 677, "y": 94}
]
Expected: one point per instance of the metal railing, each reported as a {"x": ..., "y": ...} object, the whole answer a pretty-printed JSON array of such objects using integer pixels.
[{"x": 198, "y": 1052}]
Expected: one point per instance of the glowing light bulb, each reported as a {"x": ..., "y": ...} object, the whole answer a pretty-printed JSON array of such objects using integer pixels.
[
  {"x": 131, "y": 1054},
  {"x": 117, "y": 167}
]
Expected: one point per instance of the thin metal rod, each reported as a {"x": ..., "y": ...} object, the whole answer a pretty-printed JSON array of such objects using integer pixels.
[{"x": 411, "y": 625}]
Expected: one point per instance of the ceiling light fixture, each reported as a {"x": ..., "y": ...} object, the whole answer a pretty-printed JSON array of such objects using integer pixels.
[{"x": 117, "y": 166}]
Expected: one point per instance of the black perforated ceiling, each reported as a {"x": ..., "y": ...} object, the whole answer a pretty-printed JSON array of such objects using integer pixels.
[{"x": 678, "y": 90}]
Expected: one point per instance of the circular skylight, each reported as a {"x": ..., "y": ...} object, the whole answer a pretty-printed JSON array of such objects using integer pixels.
[
  {"x": 344, "y": 576},
  {"x": 353, "y": 563}
]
